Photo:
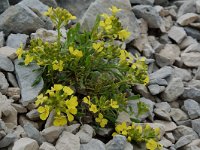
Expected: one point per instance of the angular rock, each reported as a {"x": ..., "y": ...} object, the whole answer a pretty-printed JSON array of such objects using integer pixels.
[
  {"x": 20, "y": 19},
  {"x": 85, "y": 133},
  {"x": 2, "y": 41},
  {"x": 4, "y": 4},
  {"x": 174, "y": 89},
  {"x": 13, "y": 93},
  {"x": 155, "y": 89},
  {"x": 25, "y": 144},
  {"x": 26, "y": 77},
  {"x": 72, "y": 128},
  {"x": 117, "y": 143},
  {"x": 161, "y": 73},
  {"x": 177, "y": 34},
  {"x": 191, "y": 59},
  {"x": 168, "y": 126},
  {"x": 198, "y": 6},
  {"x": 182, "y": 130},
  {"x": 7, "y": 140},
  {"x": 47, "y": 146},
  {"x": 68, "y": 141},
  {"x": 123, "y": 117},
  {"x": 178, "y": 115},
  {"x": 163, "y": 106},
  {"x": 6, "y": 64},
  {"x": 12, "y": 117},
  {"x": 127, "y": 17},
  {"x": 143, "y": 91},
  {"x": 191, "y": 93},
  {"x": 192, "y": 32},
  {"x": 16, "y": 40},
  {"x": 188, "y": 18},
  {"x": 94, "y": 144},
  {"x": 187, "y": 7},
  {"x": 161, "y": 2},
  {"x": 50, "y": 3},
  {"x": 19, "y": 132},
  {"x": 168, "y": 55},
  {"x": 23, "y": 121},
  {"x": 52, "y": 133},
  {"x": 197, "y": 74},
  {"x": 184, "y": 141},
  {"x": 192, "y": 108},
  {"x": 196, "y": 126},
  {"x": 144, "y": 2},
  {"x": 161, "y": 82},
  {"x": 165, "y": 142},
  {"x": 162, "y": 114},
  {"x": 33, "y": 133},
  {"x": 184, "y": 74},
  {"x": 3, "y": 83},
  {"x": 187, "y": 42},
  {"x": 194, "y": 145},
  {"x": 170, "y": 137},
  {"x": 19, "y": 108},
  {"x": 149, "y": 14},
  {"x": 8, "y": 52}
]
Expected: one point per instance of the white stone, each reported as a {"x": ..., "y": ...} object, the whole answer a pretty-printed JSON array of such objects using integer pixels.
[
  {"x": 25, "y": 144},
  {"x": 177, "y": 34},
  {"x": 188, "y": 18}
]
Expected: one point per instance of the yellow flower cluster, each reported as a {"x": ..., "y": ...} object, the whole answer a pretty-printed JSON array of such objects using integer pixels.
[
  {"x": 75, "y": 52},
  {"x": 58, "y": 65},
  {"x": 92, "y": 107},
  {"x": 140, "y": 133},
  {"x": 60, "y": 99},
  {"x": 98, "y": 47}
]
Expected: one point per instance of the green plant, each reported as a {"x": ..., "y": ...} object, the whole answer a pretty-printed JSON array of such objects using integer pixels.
[{"x": 91, "y": 63}]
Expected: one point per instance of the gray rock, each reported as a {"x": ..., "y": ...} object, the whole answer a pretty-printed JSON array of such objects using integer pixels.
[
  {"x": 174, "y": 89},
  {"x": 191, "y": 93},
  {"x": 19, "y": 132},
  {"x": 6, "y": 64},
  {"x": 163, "y": 106},
  {"x": 15, "y": 40},
  {"x": 85, "y": 133},
  {"x": 123, "y": 117},
  {"x": 25, "y": 144},
  {"x": 161, "y": 2},
  {"x": 76, "y": 7},
  {"x": 4, "y": 4},
  {"x": 165, "y": 142},
  {"x": 192, "y": 32},
  {"x": 178, "y": 115},
  {"x": 182, "y": 130},
  {"x": 20, "y": 19},
  {"x": 104, "y": 132},
  {"x": 191, "y": 59},
  {"x": 177, "y": 34},
  {"x": 187, "y": 42},
  {"x": 187, "y": 7},
  {"x": 45, "y": 35},
  {"x": 170, "y": 137},
  {"x": 23, "y": 121},
  {"x": 194, "y": 145},
  {"x": 8, "y": 52},
  {"x": 7, "y": 140},
  {"x": 155, "y": 89},
  {"x": 19, "y": 108},
  {"x": 150, "y": 104},
  {"x": 94, "y": 144},
  {"x": 50, "y": 3},
  {"x": 68, "y": 141},
  {"x": 198, "y": 6},
  {"x": 184, "y": 74},
  {"x": 117, "y": 143},
  {"x": 33, "y": 133},
  {"x": 149, "y": 14},
  {"x": 2, "y": 41},
  {"x": 197, "y": 74},
  {"x": 33, "y": 115},
  {"x": 47, "y": 146},
  {"x": 168, "y": 126},
  {"x": 192, "y": 108},
  {"x": 188, "y": 18},
  {"x": 26, "y": 77},
  {"x": 143, "y": 91},
  {"x": 193, "y": 83},
  {"x": 127, "y": 17},
  {"x": 72, "y": 128},
  {"x": 13, "y": 93},
  {"x": 184, "y": 141},
  {"x": 167, "y": 55},
  {"x": 144, "y": 2},
  {"x": 161, "y": 73},
  {"x": 3, "y": 83},
  {"x": 12, "y": 117},
  {"x": 161, "y": 82},
  {"x": 162, "y": 114},
  {"x": 196, "y": 126},
  {"x": 52, "y": 133}
]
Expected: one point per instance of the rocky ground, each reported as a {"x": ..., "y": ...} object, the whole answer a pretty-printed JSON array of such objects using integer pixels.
[{"x": 165, "y": 31}]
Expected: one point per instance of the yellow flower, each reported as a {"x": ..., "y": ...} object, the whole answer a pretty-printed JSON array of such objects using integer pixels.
[
  {"x": 72, "y": 17},
  {"x": 129, "y": 138},
  {"x": 102, "y": 24},
  {"x": 146, "y": 80},
  {"x": 28, "y": 59},
  {"x": 70, "y": 117},
  {"x": 44, "y": 112},
  {"x": 87, "y": 100},
  {"x": 104, "y": 15},
  {"x": 114, "y": 9},
  {"x": 49, "y": 12},
  {"x": 93, "y": 108},
  {"x": 72, "y": 103},
  {"x": 19, "y": 52},
  {"x": 58, "y": 65},
  {"x": 76, "y": 52},
  {"x": 151, "y": 144},
  {"x": 98, "y": 46},
  {"x": 40, "y": 99},
  {"x": 108, "y": 21},
  {"x": 123, "y": 55},
  {"x": 157, "y": 131},
  {"x": 123, "y": 34},
  {"x": 59, "y": 120},
  {"x": 139, "y": 129},
  {"x": 57, "y": 87},
  {"x": 122, "y": 128},
  {"x": 114, "y": 104},
  {"x": 102, "y": 121},
  {"x": 50, "y": 92},
  {"x": 67, "y": 90}
]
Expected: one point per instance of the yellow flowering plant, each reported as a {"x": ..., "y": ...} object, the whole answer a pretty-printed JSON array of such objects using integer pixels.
[
  {"x": 137, "y": 133},
  {"x": 100, "y": 71}
]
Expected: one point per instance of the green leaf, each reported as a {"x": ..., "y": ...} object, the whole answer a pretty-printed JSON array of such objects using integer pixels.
[
  {"x": 21, "y": 63},
  {"x": 37, "y": 81},
  {"x": 134, "y": 97}
]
